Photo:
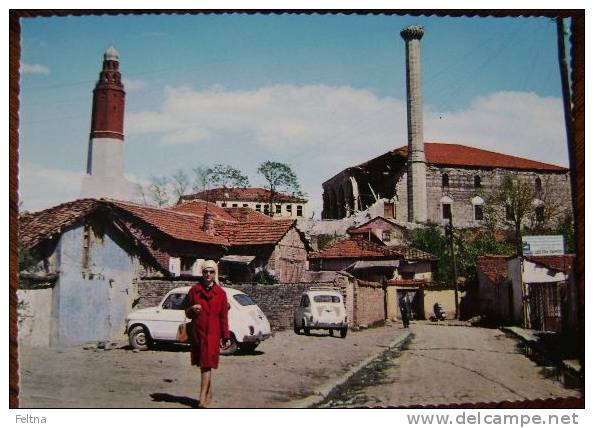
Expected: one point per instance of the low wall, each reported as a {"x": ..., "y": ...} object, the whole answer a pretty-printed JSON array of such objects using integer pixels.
[
  {"x": 364, "y": 301},
  {"x": 369, "y": 306}
]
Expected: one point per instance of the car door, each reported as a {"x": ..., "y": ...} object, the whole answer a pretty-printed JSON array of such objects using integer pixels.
[{"x": 169, "y": 316}]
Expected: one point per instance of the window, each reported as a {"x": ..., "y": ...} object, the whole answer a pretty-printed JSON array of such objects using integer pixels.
[
  {"x": 234, "y": 205},
  {"x": 278, "y": 209},
  {"x": 538, "y": 185},
  {"x": 477, "y": 182},
  {"x": 224, "y": 204},
  {"x": 478, "y": 212},
  {"x": 266, "y": 209},
  {"x": 258, "y": 207},
  {"x": 477, "y": 207},
  {"x": 174, "y": 301},
  {"x": 446, "y": 211},
  {"x": 186, "y": 265},
  {"x": 245, "y": 205},
  {"x": 445, "y": 180},
  {"x": 299, "y": 211},
  {"x": 289, "y": 208},
  {"x": 326, "y": 299},
  {"x": 386, "y": 236},
  {"x": 243, "y": 299}
]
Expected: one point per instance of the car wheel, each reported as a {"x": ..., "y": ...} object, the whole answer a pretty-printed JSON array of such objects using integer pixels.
[
  {"x": 331, "y": 332},
  {"x": 139, "y": 338},
  {"x": 305, "y": 329},
  {"x": 343, "y": 332},
  {"x": 231, "y": 349},
  {"x": 296, "y": 329},
  {"x": 249, "y": 347}
]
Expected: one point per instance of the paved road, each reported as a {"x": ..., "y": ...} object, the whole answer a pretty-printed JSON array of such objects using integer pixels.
[
  {"x": 284, "y": 368},
  {"x": 450, "y": 364}
]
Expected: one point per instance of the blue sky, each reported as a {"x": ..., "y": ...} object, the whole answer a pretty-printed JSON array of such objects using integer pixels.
[{"x": 319, "y": 92}]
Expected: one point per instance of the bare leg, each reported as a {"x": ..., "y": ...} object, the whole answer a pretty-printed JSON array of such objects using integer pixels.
[
  {"x": 204, "y": 385},
  {"x": 209, "y": 391}
]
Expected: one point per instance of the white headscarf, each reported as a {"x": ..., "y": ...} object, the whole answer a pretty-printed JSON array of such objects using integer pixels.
[{"x": 211, "y": 264}]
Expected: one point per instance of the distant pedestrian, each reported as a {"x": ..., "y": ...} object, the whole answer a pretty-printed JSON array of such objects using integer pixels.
[
  {"x": 206, "y": 304},
  {"x": 404, "y": 311}
]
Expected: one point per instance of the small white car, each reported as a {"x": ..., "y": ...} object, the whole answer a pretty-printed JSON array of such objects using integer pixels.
[
  {"x": 247, "y": 323},
  {"x": 321, "y": 308}
]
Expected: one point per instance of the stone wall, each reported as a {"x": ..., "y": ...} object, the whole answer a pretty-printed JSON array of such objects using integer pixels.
[{"x": 364, "y": 301}]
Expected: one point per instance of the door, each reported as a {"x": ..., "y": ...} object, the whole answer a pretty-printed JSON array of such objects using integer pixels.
[
  {"x": 169, "y": 316},
  {"x": 545, "y": 300}
]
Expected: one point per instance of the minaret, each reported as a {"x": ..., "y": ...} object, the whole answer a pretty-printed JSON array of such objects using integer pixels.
[
  {"x": 105, "y": 159},
  {"x": 417, "y": 167}
]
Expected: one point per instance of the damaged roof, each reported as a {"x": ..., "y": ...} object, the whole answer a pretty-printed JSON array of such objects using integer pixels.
[
  {"x": 560, "y": 263},
  {"x": 355, "y": 248}
]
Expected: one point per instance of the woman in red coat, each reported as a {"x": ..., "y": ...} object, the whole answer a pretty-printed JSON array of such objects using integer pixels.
[{"x": 206, "y": 304}]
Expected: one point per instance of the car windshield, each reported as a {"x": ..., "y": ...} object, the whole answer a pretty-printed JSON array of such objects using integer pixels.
[
  {"x": 243, "y": 299},
  {"x": 174, "y": 301},
  {"x": 325, "y": 298}
]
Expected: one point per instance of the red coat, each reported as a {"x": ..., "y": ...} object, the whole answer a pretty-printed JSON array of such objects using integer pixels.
[{"x": 209, "y": 326}]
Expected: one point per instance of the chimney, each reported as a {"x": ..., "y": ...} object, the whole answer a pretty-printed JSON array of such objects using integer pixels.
[
  {"x": 417, "y": 167},
  {"x": 243, "y": 214},
  {"x": 209, "y": 227}
]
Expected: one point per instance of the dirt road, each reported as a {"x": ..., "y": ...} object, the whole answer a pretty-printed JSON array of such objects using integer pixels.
[
  {"x": 450, "y": 364},
  {"x": 283, "y": 368}
]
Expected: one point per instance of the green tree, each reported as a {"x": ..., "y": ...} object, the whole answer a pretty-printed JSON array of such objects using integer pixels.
[
  {"x": 226, "y": 176},
  {"x": 279, "y": 178}
]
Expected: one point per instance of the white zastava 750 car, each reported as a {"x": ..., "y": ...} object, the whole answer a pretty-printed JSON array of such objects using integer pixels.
[
  {"x": 247, "y": 323},
  {"x": 321, "y": 308}
]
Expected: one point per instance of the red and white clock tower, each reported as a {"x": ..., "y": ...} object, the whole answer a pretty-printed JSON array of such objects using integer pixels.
[{"x": 105, "y": 159}]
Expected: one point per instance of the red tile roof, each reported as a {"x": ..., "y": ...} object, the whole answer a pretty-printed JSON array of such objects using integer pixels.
[
  {"x": 38, "y": 226},
  {"x": 178, "y": 225},
  {"x": 355, "y": 248},
  {"x": 459, "y": 155},
  {"x": 494, "y": 267},
  {"x": 561, "y": 263},
  {"x": 183, "y": 222},
  {"x": 412, "y": 253},
  {"x": 254, "y": 232},
  {"x": 198, "y": 207},
  {"x": 248, "y": 214},
  {"x": 247, "y": 194}
]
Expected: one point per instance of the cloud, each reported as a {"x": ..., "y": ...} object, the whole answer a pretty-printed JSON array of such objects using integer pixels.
[
  {"x": 132, "y": 85},
  {"x": 41, "y": 187},
  {"x": 34, "y": 69},
  {"x": 321, "y": 130}
]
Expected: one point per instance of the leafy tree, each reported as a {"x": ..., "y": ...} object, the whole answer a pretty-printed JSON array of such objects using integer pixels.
[
  {"x": 468, "y": 246},
  {"x": 279, "y": 178},
  {"x": 226, "y": 176},
  {"x": 201, "y": 178}
]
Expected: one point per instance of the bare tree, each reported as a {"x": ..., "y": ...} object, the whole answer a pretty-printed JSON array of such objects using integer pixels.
[
  {"x": 159, "y": 191},
  {"x": 180, "y": 183},
  {"x": 202, "y": 176}
]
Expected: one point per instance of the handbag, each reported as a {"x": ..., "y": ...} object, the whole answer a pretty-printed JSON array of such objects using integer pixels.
[{"x": 183, "y": 332}]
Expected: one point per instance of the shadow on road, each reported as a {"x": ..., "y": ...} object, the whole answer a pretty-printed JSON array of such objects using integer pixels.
[{"x": 168, "y": 398}]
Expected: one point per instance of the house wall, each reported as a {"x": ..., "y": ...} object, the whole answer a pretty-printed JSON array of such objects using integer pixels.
[
  {"x": 514, "y": 274},
  {"x": 421, "y": 270},
  {"x": 285, "y": 213},
  {"x": 90, "y": 303},
  {"x": 445, "y": 297},
  {"x": 369, "y": 303},
  {"x": 34, "y": 316},
  {"x": 461, "y": 190},
  {"x": 289, "y": 258}
]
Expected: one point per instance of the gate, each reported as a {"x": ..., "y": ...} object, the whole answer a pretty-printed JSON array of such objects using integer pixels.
[{"x": 546, "y": 302}]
